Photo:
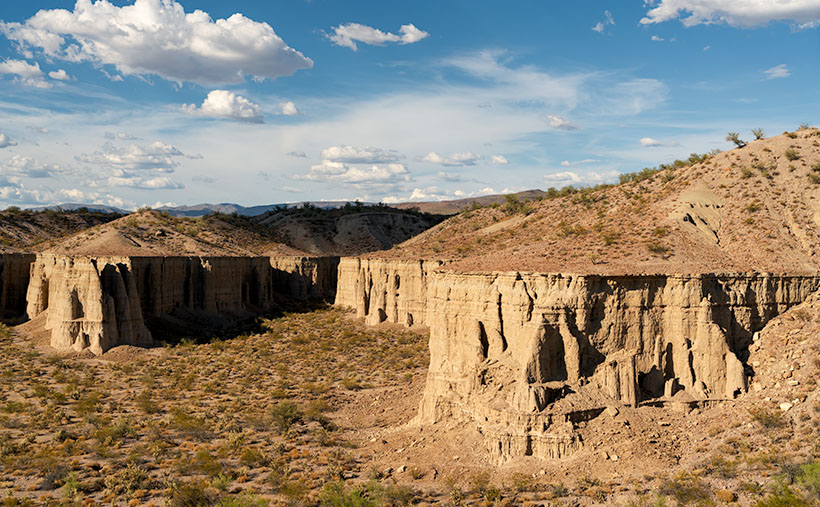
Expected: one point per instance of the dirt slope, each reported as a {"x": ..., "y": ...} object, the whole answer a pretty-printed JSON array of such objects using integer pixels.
[
  {"x": 350, "y": 230},
  {"x": 25, "y": 231},
  {"x": 457, "y": 205},
  {"x": 755, "y": 208},
  {"x": 152, "y": 233}
]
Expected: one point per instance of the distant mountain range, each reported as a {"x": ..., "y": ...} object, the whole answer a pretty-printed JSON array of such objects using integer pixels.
[
  {"x": 197, "y": 210},
  {"x": 71, "y": 206}
]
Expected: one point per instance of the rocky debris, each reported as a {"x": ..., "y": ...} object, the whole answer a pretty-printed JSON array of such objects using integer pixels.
[{"x": 528, "y": 358}]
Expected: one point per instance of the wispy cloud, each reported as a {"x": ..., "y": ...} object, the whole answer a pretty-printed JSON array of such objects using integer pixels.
[
  {"x": 601, "y": 25},
  {"x": 777, "y": 72},
  {"x": 349, "y": 34}
]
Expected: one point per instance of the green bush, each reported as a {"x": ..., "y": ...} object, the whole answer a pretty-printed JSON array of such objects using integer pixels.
[
  {"x": 334, "y": 494},
  {"x": 685, "y": 489},
  {"x": 285, "y": 414},
  {"x": 734, "y": 137}
]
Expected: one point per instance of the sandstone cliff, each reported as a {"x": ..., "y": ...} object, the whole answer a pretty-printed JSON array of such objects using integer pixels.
[
  {"x": 14, "y": 277},
  {"x": 97, "y": 303},
  {"x": 527, "y": 356}
]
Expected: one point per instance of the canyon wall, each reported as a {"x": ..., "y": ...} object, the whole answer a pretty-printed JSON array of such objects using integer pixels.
[
  {"x": 527, "y": 356},
  {"x": 14, "y": 278},
  {"x": 97, "y": 303},
  {"x": 305, "y": 277}
]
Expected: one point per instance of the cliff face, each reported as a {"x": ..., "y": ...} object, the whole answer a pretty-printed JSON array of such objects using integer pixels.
[
  {"x": 14, "y": 277},
  {"x": 97, "y": 303},
  {"x": 527, "y": 356},
  {"x": 381, "y": 290},
  {"x": 305, "y": 277}
]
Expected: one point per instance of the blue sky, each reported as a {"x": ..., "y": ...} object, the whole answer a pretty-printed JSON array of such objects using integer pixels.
[{"x": 156, "y": 101}]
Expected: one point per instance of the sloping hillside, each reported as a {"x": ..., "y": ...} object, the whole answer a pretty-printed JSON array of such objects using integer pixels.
[
  {"x": 151, "y": 233},
  {"x": 349, "y": 230},
  {"x": 24, "y": 230},
  {"x": 754, "y": 208},
  {"x": 458, "y": 205}
]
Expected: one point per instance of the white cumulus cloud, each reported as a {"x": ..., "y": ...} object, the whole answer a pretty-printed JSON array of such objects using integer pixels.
[
  {"x": 499, "y": 160},
  {"x": 559, "y": 122},
  {"x": 738, "y": 13},
  {"x": 353, "y": 155},
  {"x": 576, "y": 178},
  {"x": 778, "y": 71},
  {"x": 649, "y": 142},
  {"x": 226, "y": 104},
  {"x": 329, "y": 170},
  {"x": 159, "y": 37},
  {"x": 19, "y": 165},
  {"x": 453, "y": 160},
  {"x": 25, "y": 73},
  {"x": 158, "y": 156},
  {"x": 351, "y": 33},
  {"x": 59, "y": 75},
  {"x": 154, "y": 183},
  {"x": 287, "y": 108},
  {"x": 6, "y": 141}
]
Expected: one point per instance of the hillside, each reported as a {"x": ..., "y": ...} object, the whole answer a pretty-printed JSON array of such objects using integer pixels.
[
  {"x": 458, "y": 205},
  {"x": 754, "y": 208},
  {"x": 25, "y": 230},
  {"x": 150, "y": 233},
  {"x": 348, "y": 230}
]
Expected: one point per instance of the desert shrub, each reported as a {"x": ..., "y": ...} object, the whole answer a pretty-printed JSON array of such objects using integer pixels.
[
  {"x": 253, "y": 457},
  {"x": 514, "y": 206},
  {"x": 758, "y": 133},
  {"x": 734, "y": 137},
  {"x": 809, "y": 479},
  {"x": 243, "y": 500},
  {"x": 126, "y": 480},
  {"x": 791, "y": 154},
  {"x": 685, "y": 488},
  {"x": 782, "y": 496},
  {"x": 334, "y": 494},
  {"x": 206, "y": 463},
  {"x": 657, "y": 248},
  {"x": 814, "y": 178},
  {"x": 71, "y": 485},
  {"x": 745, "y": 173},
  {"x": 285, "y": 414},
  {"x": 146, "y": 404},
  {"x": 189, "y": 494},
  {"x": 769, "y": 419}
]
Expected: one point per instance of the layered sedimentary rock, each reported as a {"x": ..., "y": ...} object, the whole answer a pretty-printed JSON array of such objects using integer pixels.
[
  {"x": 14, "y": 278},
  {"x": 381, "y": 290},
  {"x": 305, "y": 277},
  {"x": 527, "y": 356},
  {"x": 97, "y": 303}
]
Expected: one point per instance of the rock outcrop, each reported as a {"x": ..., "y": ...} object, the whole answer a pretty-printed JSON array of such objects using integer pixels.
[
  {"x": 528, "y": 356},
  {"x": 14, "y": 278},
  {"x": 89, "y": 303},
  {"x": 305, "y": 277},
  {"x": 97, "y": 303}
]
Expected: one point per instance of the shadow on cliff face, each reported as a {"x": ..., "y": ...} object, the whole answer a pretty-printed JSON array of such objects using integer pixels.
[{"x": 185, "y": 327}]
